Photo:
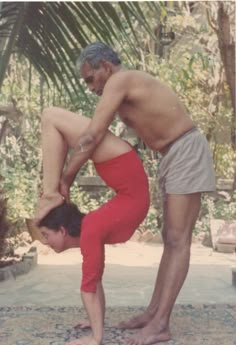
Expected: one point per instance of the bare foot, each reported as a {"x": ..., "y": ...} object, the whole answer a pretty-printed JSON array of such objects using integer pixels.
[
  {"x": 151, "y": 334},
  {"x": 82, "y": 324},
  {"x": 138, "y": 321},
  {"x": 46, "y": 203}
]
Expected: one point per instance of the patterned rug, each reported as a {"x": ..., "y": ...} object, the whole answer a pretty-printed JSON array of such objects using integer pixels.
[{"x": 190, "y": 325}]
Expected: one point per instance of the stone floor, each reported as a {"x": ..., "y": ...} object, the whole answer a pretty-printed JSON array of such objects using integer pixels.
[
  {"x": 128, "y": 280},
  {"x": 190, "y": 325}
]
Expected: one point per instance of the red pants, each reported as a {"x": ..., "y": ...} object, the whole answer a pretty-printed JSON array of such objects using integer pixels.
[{"x": 117, "y": 219}]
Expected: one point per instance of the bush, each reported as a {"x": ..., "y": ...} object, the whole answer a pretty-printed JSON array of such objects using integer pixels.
[{"x": 215, "y": 208}]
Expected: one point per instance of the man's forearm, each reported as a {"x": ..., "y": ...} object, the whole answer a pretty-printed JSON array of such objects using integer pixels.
[
  {"x": 83, "y": 150},
  {"x": 94, "y": 306}
]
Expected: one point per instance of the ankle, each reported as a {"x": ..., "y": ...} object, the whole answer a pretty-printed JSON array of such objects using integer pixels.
[
  {"x": 163, "y": 323},
  {"x": 151, "y": 311},
  {"x": 51, "y": 195}
]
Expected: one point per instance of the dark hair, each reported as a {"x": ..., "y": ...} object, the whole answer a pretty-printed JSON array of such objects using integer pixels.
[
  {"x": 94, "y": 53},
  {"x": 67, "y": 215}
]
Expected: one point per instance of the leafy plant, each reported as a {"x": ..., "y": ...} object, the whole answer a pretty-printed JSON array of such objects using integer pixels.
[
  {"x": 192, "y": 67},
  {"x": 215, "y": 208},
  {"x": 20, "y": 172}
]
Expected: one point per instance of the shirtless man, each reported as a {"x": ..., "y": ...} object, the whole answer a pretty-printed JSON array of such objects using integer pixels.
[
  {"x": 186, "y": 170},
  {"x": 64, "y": 227}
]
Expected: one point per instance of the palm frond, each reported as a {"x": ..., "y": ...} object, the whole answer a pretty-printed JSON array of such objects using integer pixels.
[
  {"x": 10, "y": 25},
  {"x": 50, "y": 34}
]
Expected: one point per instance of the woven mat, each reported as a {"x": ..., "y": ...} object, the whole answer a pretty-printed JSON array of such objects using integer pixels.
[{"x": 190, "y": 325}]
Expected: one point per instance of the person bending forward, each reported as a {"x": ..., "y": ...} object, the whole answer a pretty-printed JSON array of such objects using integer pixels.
[{"x": 64, "y": 226}]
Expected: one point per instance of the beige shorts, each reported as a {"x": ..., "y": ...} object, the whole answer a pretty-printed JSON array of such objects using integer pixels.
[{"x": 187, "y": 167}]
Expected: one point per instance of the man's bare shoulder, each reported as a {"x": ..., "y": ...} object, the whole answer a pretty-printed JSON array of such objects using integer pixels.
[
  {"x": 124, "y": 78},
  {"x": 119, "y": 76}
]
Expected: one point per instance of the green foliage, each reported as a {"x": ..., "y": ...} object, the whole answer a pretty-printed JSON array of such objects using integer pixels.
[
  {"x": 191, "y": 66},
  {"x": 215, "y": 208},
  {"x": 85, "y": 202},
  {"x": 20, "y": 154},
  {"x": 150, "y": 222},
  {"x": 62, "y": 29},
  {"x": 20, "y": 172}
]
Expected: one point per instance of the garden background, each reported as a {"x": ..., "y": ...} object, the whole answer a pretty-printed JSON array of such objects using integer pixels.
[{"x": 188, "y": 45}]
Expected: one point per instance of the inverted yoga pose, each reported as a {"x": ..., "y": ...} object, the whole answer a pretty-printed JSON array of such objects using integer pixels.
[{"x": 63, "y": 226}]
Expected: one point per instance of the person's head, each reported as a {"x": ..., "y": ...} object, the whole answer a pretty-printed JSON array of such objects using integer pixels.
[
  {"x": 61, "y": 226},
  {"x": 96, "y": 64}
]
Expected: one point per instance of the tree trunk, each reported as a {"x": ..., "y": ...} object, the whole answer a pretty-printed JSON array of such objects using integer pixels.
[
  {"x": 3, "y": 129},
  {"x": 227, "y": 51},
  {"x": 4, "y": 226}
]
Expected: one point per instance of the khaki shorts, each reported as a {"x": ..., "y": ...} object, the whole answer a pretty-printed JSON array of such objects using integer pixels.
[{"x": 187, "y": 167}]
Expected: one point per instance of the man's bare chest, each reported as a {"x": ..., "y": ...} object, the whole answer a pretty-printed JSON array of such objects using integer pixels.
[{"x": 127, "y": 114}]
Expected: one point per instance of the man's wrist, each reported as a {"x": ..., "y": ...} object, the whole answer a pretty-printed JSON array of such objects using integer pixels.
[{"x": 67, "y": 179}]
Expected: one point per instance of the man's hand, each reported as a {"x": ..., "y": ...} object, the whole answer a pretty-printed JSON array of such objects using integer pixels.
[
  {"x": 64, "y": 189},
  {"x": 84, "y": 341}
]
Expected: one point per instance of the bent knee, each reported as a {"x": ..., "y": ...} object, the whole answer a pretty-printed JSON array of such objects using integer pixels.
[{"x": 49, "y": 113}]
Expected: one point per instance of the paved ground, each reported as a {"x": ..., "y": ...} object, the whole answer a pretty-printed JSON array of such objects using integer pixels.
[{"x": 128, "y": 281}]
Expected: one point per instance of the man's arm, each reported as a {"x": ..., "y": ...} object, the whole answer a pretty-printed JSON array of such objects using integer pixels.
[
  {"x": 113, "y": 96},
  {"x": 94, "y": 304},
  {"x": 82, "y": 152}
]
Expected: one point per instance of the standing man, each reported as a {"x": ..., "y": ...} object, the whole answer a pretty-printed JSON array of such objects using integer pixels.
[{"x": 186, "y": 170}]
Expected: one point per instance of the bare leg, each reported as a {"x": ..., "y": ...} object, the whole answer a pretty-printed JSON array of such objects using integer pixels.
[
  {"x": 58, "y": 132},
  {"x": 180, "y": 215},
  {"x": 143, "y": 319},
  {"x": 54, "y": 149}
]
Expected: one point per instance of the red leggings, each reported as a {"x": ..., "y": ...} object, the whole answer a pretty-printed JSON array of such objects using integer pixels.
[{"x": 117, "y": 219}]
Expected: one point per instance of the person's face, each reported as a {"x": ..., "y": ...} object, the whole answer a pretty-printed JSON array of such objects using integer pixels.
[
  {"x": 54, "y": 239},
  {"x": 96, "y": 78}
]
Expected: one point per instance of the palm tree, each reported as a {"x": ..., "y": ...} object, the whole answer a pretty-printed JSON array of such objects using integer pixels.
[{"x": 51, "y": 34}]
